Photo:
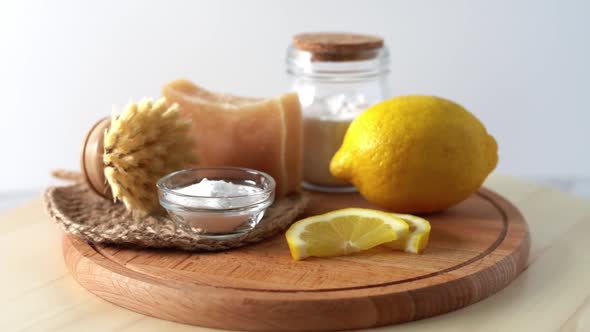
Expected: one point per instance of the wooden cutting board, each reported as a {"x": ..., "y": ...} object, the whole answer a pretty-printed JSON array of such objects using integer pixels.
[{"x": 476, "y": 248}]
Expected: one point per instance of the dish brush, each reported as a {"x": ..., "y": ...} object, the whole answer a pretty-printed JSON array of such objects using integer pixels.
[{"x": 123, "y": 157}]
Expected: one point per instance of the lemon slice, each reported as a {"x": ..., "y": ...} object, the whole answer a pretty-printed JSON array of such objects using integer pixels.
[
  {"x": 343, "y": 232},
  {"x": 417, "y": 239}
]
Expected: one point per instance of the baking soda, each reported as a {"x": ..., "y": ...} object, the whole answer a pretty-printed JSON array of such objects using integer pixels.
[{"x": 211, "y": 194}]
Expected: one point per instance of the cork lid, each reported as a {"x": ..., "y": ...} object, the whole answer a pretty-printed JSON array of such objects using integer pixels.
[{"x": 338, "y": 46}]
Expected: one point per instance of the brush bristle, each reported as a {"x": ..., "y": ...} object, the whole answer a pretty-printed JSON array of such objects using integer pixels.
[{"x": 145, "y": 142}]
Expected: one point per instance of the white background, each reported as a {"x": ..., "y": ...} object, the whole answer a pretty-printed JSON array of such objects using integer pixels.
[{"x": 520, "y": 66}]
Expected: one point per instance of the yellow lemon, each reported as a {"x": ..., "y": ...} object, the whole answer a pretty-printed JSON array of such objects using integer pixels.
[
  {"x": 416, "y": 154},
  {"x": 417, "y": 239},
  {"x": 343, "y": 232}
]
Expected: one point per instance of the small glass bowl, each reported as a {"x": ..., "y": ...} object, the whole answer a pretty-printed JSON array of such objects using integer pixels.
[{"x": 217, "y": 216}]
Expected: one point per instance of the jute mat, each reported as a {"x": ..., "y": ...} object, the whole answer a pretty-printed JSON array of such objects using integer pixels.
[{"x": 82, "y": 213}]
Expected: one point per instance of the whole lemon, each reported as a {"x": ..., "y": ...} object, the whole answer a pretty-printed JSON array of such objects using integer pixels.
[{"x": 416, "y": 154}]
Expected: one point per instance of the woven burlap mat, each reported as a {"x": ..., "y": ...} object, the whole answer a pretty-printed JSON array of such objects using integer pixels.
[{"x": 82, "y": 213}]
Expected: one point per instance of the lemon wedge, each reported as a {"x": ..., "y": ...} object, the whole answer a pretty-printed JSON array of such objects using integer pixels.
[
  {"x": 343, "y": 232},
  {"x": 417, "y": 239}
]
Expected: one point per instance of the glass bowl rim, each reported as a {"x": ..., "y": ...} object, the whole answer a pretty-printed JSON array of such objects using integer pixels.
[{"x": 268, "y": 191}]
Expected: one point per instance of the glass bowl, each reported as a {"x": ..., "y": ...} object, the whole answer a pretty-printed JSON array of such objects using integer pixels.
[{"x": 217, "y": 215}]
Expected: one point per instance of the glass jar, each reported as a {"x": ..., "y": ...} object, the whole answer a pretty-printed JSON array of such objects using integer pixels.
[{"x": 337, "y": 76}]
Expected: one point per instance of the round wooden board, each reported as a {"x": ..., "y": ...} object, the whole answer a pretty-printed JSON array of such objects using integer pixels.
[{"x": 476, "y": 248}]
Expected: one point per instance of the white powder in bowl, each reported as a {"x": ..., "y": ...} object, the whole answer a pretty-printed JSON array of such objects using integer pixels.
[{"x": 212, "y": 192}]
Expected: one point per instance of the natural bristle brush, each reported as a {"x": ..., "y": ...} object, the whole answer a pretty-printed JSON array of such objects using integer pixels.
[{"x": 124, "y": 156}]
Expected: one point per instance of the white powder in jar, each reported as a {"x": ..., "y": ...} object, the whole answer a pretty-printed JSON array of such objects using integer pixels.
[{"x": 212, "y": 193}]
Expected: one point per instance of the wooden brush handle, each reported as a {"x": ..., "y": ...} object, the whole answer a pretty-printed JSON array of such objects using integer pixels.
[{"x": 91, "y": 155}]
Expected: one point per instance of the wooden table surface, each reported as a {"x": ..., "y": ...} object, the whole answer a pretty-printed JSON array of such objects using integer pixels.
[{"x": 553, "y": 294}]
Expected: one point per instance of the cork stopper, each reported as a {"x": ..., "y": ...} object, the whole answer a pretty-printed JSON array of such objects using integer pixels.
[
  {"x": 91, "y": 158},
  {"x": 338, "y": 46}
]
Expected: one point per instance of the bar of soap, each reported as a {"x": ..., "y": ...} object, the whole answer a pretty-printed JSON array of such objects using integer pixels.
[{"x": 263, "y": 134}]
